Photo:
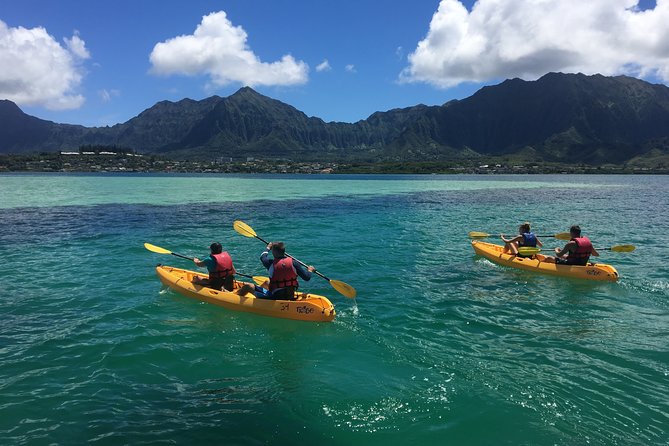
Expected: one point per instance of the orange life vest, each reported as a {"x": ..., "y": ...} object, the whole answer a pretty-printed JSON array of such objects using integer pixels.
[
  {"x": 224, "y": 266},
  {"x": 582, "y": 253},
  {"x": 282, "y": 274}
]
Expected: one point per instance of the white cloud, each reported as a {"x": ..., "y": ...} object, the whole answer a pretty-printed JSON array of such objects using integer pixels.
[
  {"x": 350, "y": 68},
  {"x": 77, "y": 46},
  {"x": 107, "y": 95},
  {"x": 503, "y": 39},
  {"x": 323, "y": 66},
  {"x": 219, "y": 49},
  {"x": 38, "y": 71}
]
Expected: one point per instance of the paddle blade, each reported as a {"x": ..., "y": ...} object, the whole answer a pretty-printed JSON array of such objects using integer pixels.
[
  {"x": 623, "y": 248},
  {"x": 261, "y": 280},
  {"x": 528, "y": 250},
  {"x": 475, "y": 234},
  {"x": 344, "y": 288},
  {"x": 244, "y": 229},
  {"x": 156, "y": 249},
  {"x": 563, "y": 236}
]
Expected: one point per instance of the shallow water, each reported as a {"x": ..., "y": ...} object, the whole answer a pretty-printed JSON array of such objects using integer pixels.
[{"x": 440, "y": 346}]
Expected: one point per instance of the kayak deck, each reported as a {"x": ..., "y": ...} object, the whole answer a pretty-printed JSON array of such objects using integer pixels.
[
  {"x": 537, "y": 263},
  {"x": 307, "y": 307}
]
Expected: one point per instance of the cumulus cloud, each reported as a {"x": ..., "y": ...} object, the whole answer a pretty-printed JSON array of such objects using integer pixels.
[
  {"x": 323, "y": 66},
  {"x": 219, "y": 50},
  {"x": 500, "y": 39},
  {"x": 38, "y": 71},
  {"x": 350, "y": 68}
]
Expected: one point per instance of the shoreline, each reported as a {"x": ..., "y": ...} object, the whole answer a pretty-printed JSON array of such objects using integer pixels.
[{"x": 110, "y": 162}]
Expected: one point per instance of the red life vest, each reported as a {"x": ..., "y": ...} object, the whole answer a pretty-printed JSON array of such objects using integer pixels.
[
  {"x": 582, "y": 252},
  {"x": 282, "y": 274},
  {"x": 224, "y": 266}
]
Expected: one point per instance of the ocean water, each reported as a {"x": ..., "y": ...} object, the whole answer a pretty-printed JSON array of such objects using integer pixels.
[{"x": 439, "y": 348}]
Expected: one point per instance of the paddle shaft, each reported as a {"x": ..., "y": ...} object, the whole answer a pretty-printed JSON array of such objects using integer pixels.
[
  {"x": 598, "y": 249},
  {"x": 341, "y": 287},
  {"x": 297, "y": 260},
  {"x": 191, "y": 259},
  {"x": 560, "y": 236},
  {"x": 182, "y": 256},
  {"x": 619, "y": 248}
]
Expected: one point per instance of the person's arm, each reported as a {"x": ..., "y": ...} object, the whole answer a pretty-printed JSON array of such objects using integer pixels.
[
  {"x": 594, "y": 252},
  {"x": 199, "y": 262},
  {"x": 515, "y": 239},
  {"x": 539, "y": 244},
  {"x": 265, "y": 260},
  {"x": 302, "y": 272},
  {"x": 567, "y": 248}
]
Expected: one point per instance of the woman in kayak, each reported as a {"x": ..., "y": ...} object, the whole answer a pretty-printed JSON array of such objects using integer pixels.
[
  {"x": 577, "y": 251},
  {"x": 220, "y": 267},
  {"x": 283, "y": 272},
  {"x": 525, "y": 238}
]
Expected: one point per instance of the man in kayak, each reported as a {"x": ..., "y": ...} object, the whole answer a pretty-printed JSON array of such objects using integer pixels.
[
  {"x": 525, "y": 238},
  {"x": 220, "y": 267},
  {"x": 283, "y": 273},
  {"x": 577, "y": 251}
]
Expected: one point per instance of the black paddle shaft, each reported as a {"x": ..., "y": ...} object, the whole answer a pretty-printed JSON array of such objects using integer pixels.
[
  {"x": 191, "y": 258},
  {"x": 297, "y": 260},
  {"x": 182, "y": 256}
]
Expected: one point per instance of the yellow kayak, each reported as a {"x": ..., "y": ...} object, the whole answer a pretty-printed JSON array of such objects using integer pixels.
[
  {"x": 307, "y": 307},
  {"x": 536, "y": 263}
]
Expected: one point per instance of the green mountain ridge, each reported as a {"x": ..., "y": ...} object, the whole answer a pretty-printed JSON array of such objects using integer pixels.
[{"x": 569, "y": 118}]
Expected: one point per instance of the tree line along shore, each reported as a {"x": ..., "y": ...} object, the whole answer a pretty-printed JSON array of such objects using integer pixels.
[{"x": 108, "y": 161}]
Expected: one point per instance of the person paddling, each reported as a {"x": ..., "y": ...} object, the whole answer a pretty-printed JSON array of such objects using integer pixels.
[
  {"x": 577, "y": 251},
  {"x": 283, "y": 273},
  {"x": 525, "y": 238},
  {"x": 220, "y": 267}
]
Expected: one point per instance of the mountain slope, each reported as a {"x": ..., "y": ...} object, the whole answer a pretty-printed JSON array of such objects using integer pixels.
[{"x": 560, "y": 117}]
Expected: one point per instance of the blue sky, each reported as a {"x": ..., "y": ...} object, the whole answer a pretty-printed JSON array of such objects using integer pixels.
[{"x": 101, "y": 63}]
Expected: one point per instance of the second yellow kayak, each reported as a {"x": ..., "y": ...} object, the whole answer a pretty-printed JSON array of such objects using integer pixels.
[{"x": 536, "y": 263}]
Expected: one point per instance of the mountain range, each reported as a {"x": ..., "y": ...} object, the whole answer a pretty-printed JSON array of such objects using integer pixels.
[{"x": 569, "y": 118}]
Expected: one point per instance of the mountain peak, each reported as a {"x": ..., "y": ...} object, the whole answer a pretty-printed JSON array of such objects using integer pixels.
[
  {"x": 249, "y": 96},
  {"x": 246, "y": 91},
  {"x": 7, "y": 107}
]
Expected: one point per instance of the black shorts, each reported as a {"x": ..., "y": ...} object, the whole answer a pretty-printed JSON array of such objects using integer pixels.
[
  {"x": 287, "y": 293},
  {"x": 560, "y": 261},
  {"x": 218, "y": 283}
]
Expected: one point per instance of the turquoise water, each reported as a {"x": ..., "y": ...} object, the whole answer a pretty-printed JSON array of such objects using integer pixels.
[{"x": 440, "y": 346}]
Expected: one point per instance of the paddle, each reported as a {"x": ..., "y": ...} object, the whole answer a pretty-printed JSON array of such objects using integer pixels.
[
  {"x": 342, "y": 287},
  {"x": 157, "y": 249},
  {"x": 528, "y": 251},
  {"x": 559, "y": 236}
]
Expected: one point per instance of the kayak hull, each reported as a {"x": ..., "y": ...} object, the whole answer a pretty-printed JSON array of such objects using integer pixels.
[
  {"x": 307, "y": 307},
  {"x": 537, "y": 263}
]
